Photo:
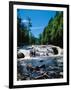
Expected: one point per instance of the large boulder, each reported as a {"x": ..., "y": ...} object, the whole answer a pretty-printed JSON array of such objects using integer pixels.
[
  {"x": 20, "y": 55},
  {"x": 55, "y": 50}
]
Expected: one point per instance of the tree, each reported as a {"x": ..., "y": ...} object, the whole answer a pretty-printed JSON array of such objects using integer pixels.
[{"x": 53, "y": 32}]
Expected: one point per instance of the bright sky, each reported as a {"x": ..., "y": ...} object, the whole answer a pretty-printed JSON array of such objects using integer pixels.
[{"x": 39, "y": 19}]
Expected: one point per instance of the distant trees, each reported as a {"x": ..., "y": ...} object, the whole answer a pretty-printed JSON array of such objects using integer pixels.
[
  {"x": 24, "y": 36},
  {"x": 53, "y": 32},
  {"x": 22, "y": 33}
]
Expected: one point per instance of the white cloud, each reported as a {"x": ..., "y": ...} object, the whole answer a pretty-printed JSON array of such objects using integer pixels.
[{"x": 24, "y": 21}]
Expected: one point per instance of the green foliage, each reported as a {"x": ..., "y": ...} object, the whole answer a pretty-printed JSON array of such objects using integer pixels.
[
  {"x": 24, "y": 35},
  {"x": 53, "y": 32}
]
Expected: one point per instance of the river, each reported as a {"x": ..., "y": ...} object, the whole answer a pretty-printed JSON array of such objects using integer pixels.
[{"x": 40, "y": 68}]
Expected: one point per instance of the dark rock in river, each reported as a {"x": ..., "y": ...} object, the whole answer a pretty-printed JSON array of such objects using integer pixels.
[
  {"x": 41, "y": 60},
  {"x": 44, "y": 76},
  {"x": 55, "y": 50},
  {"x": 20, "y": 55},
  {"x": 52, "y": 74},
  {"x": 30, "y": 67},
  {"x": 43, "y": 66},
  {"x": 37, "y": 68}
]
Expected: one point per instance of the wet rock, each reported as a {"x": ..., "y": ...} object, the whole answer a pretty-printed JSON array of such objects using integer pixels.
[
  {"x": 35, "y": 74},
  {"x": 61, "y": 73},
  {"x": 60, "y": 65},
  {"x": 37, "y": 68},
  {"x": 55, "y": 68},
  {"x": 55, "y": 50},
  {"x": 52, "y": 74},
  {"x": 61, "y": 76},
  {"x": 44, "y": 76},
  {"x": 41, "y": 60},
  {"x": 20, "y": 55},
  {"x": 42, "y": 71},
  {"x": 29, "y": 67},
  {"x": 32, "y": 52},
  {"x": 42, "y": 66},
  {"x": 19, "y": 69}
]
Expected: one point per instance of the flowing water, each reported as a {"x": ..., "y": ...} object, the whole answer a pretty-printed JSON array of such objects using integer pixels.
[{"x": 32, "y": 69}]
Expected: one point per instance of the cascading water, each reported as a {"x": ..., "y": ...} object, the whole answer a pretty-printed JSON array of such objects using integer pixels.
[{"x": 44, "y": 64}]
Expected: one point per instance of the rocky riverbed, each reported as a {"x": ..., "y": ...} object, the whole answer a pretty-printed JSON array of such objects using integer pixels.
[
  {"x": 44, "y": 67},
  {"x": 40, "y": 69}
]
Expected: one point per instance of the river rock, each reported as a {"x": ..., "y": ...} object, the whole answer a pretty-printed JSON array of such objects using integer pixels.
[
  {"x": 37, "y": 68},
  {"x": 29, "y": 67},
  {"x": 20, "y": 55},
  {"x": 55, "y": 50},
  {"x": 61, "y": 73},
  {"x": 44, "y": 76},
  {"x": 42, "y": 66}
]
